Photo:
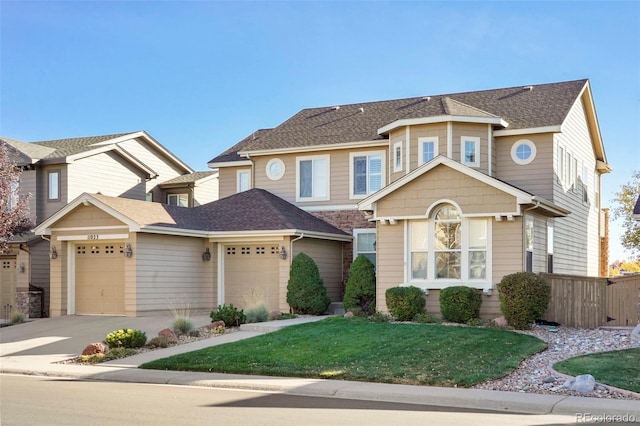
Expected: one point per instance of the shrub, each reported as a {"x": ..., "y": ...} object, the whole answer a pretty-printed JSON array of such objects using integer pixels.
[
  {"x": 229, "y": 314},
  {"x": 425, "y": 318},
  {"x": 126, "y": 338},
  {"x": 258, "y": 313},
  {"x": 306, "y": 293},
  {"x": 405, "y": 303},
  {"x": 117, "y": 353},
  {"x": 182, "y": 325},
  {"x": 524, "y": 297},
  {"x": 380, "y": 317},
  {"x": 360, "y": 290},
  {"x": 17, "y": 317},
  {"x": 460, "y": 304},
  {"x": 160, "y": 342}
]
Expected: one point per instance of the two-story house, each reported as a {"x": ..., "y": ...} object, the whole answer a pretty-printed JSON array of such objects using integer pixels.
[
  {"x": 441, "y": 190},
  {"x": 129, "y": 165}
]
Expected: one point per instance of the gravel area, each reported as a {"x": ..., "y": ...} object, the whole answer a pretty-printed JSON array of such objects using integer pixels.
[{"x": 536, "y": 375}]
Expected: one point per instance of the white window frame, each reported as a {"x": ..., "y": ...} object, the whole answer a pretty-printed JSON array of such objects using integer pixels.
[
  {"x": 550, "y": 249},
  {"x": 178, "y": 197},
  {"x": 529, "y": 242},
  {"x": 327, "y": 159},
  {"x": 53, "y": 185},
  {"x": 271, "y": 175},
  {"x": 585, "y": 184},
  {"x": 239, "y": 180},
  {"x": 356, "y": 233},
  {"x": 397, "y": 156},
  {"x": 514, "y": 151},
  {"x": 560, "y": 164},
  {"x": 439, "y": 283},
  {"x": 421, "y": 141},
  {"x": 476, "y": 141},
  {"x": 352, "y": 171}
]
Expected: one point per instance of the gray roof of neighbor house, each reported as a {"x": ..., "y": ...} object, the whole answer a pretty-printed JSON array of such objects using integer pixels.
[
  {"x": 252, "y": 210},
  {"x": 189, "y": 178},
  {"x": 71, "y": 146},
  {"x": 521, "y": 107}
]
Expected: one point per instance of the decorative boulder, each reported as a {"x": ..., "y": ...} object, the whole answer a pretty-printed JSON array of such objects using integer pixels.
[
  {"x": 500, "y": 322},
  {"x": 349, "y": 315},
  {"x": 584, "y": 383},
  {"x": 216, "y": 324},
  {"x": 169, "y": 335},
  {"x": 275, "y": 314},
  {"x": 95, "y": 348}
]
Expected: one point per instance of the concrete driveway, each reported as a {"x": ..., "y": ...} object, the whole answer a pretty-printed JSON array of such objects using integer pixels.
[{"x": 69, "y": 335}]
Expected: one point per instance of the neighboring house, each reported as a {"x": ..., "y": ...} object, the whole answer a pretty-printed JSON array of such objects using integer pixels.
[
  {"x": 128, "y": 165},
  {"x": 457, "y": 189},
  {"x": 636, "y": 210}
]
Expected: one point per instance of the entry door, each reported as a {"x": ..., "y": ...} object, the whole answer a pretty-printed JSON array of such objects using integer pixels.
[
  {"x": 7, "y": 285},
  {"x": 99, "y": 280}
]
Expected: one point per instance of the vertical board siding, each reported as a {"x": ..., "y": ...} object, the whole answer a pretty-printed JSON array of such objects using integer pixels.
[{"x": 328, "y": 258}]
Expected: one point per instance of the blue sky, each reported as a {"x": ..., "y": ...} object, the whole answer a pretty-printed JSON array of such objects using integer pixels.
[{"x": 199, "y": 76}]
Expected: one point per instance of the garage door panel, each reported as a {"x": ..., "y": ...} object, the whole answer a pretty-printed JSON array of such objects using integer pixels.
[
  {"x": 252, "y": 272},
  {"x": 99, "y": 279}
]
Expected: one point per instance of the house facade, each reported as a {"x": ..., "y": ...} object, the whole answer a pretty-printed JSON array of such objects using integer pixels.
[
  {"x": 127, "y": 165},
  {"x": 442, "y": 190}
]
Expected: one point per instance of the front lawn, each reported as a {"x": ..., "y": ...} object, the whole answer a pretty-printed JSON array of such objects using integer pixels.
[
  {"x": 356, "y": 349},
  {"x": 616, "y": 368}
]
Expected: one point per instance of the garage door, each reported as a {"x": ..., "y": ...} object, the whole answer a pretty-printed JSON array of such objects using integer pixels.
[
  {"x": 7, "y": 285},
  {"x": 251, "y": 275},
  {"x": 100, "y": 278}
]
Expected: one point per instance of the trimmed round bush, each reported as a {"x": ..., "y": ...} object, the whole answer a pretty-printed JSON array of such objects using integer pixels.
[
  {"x": 229, "y": 314},
  {"x": 360, "y": 291},
  {"x": 306, "y": 293},
  {"x": 404, "y": 303},
  {"x": 460, "y": 304},
  {"x": 126, "y": 338},
  {"x": 524, "y": 297}
]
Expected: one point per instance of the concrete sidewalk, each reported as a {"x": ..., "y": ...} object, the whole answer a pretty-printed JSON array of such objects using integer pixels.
[{"x": 27, "y": 356}]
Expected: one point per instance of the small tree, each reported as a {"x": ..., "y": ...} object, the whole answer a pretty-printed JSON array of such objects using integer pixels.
[
  {"x": 626, "y": 200},
  {"x": 360, "y": 291},
  {"x": 306, "y": 293},
  {"x": 14, "y": 207}
]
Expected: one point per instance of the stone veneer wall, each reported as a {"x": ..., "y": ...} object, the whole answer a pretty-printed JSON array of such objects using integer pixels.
[
  {"x": 29, "y": 303},
  {"x": 347, "y": 221}
]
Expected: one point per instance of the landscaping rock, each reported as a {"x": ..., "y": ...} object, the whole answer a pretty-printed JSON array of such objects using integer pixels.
[
  {"x": 95, "y": 348},
  {"x": 216, "y": 324},
  {"x": 550, "y": 379},
  {"x": 275, "y": 314},
  {"x": 349, "y": 315},
  {"x": 500, "y": 322},
  {"x": 584, "y": 383},
  {"x": 169, "y": 335},
  {"x": 635, "y": 334}
]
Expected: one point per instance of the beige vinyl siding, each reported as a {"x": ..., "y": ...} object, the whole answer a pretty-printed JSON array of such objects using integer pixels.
[
  {"x": 328, "y": 258},
  {"x": 211, "y": 271},
  {"x": 397, "y": 135},
  {"x": 59, "y": 278},
  {"x": 444, "y": 183},
  {"x": 228, "y": 180},
  {"x": 169, "y": 272},
  {"x": 205, "y": 192},
  {"x": 536, "y": 177},
  {"x": 154, "y": 159},
  {"x": 28, "y": 185},
  {"x": 284, "y": 268},
  {"x": 285, "y": 187},
  {"x": 107, "y": 173},
  {"x": 508, "y": 245},
  {"x": 86, "y": 216},
  {"x": 390, "y": 260},
  {"x": 576, "y": 245},
  {"x": 438, "y": 130},
  {"x": 45, "y": 207},
  {"x": 473, "y": 130}
]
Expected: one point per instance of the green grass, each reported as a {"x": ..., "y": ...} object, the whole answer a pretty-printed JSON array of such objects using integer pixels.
[
  {"x": 356, "y": 349},
  {"x": 616, "y": 368}
]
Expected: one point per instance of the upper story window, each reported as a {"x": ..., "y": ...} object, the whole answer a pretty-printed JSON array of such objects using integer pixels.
[
  {"x": 397, "y": 156},
  {"x": 243, "y": 180},
  {"x": 470, "y": 151},
  {"x": 275, "y": 169},
  {"x": 312, "y": 180},
  {"x": 427, "y": 149},
  {"x": 180, "y": 200},
  {"x": 148, "y": 197},
  {"x": 13, "y": 193},
  {"x": 523, "y": 151},
  {"x": 53, "y": 184},
  {"x": 366, "y": 173}
]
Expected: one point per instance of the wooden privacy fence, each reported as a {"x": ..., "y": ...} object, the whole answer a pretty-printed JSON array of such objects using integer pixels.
[{"x": 590, "y": 302}]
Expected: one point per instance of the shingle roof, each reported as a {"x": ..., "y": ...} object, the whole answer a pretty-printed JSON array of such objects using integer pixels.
[
  {"x": 189, "y": 178},
  {"x": 33, "y": 151},
  {"x": 252, "y": 210},
  {"x": 71, "y": 146},
  {"x": 231, "y": 154},
  {"x": 522, "y": 107}
]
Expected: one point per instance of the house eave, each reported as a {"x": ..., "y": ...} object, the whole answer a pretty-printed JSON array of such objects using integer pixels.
[
  {"x": 240, "y": 163},
  {"x": 528, "y": 131},
  {"x": 441, "y": 119},
  {"x": 305, "y": 149}
]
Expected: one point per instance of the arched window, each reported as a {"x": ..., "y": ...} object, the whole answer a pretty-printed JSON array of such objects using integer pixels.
[{"x": 448, "y": 242}]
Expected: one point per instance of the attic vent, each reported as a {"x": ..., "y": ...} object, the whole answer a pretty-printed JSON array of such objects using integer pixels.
[
  {"x": 337, "y": 107},
  {"x": 361, "y": 109},
  {"x": 529, "y": 88},
  {"x": 426, "y": 98}
]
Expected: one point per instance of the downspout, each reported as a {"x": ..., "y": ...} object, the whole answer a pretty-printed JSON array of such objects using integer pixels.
[{"x": 291, "y": 246}]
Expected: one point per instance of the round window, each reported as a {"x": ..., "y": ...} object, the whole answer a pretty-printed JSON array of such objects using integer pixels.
[
  {"x": 523, "y": 151},
  {"x": 275, "y": 169}
]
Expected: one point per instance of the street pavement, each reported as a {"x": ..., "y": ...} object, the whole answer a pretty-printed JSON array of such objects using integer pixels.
[{"x": 38, "y": 346}]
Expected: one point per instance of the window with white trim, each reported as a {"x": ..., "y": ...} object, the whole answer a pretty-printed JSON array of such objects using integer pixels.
[
  {"x": 365, "y": 244},
  {"x": 13, "y": 193},
  {"x": 470, "y": 151},
  {"x": 312, "y": 178},
  {"x": 448, "y": 249},
  {"x": 528, "y": 244},
  {"x": 427, "y": 149},
  {"x": 560, "y": 165},
  {"x": 585, "y": 184},
  {"x": 148, "y": 197},
  {"x": 53, "y": 183},
  {"x": 523, "y": 151},
  {"x": 243, "y": 180},
  {"x": 180, "y": 200},
  {"x": 367, "y": 174},
  {"x": 550, "y": 249},
  {"x": 397, "y": 156}
]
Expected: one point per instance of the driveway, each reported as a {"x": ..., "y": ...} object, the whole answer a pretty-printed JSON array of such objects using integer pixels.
[{"x": 69, "y": 335}]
